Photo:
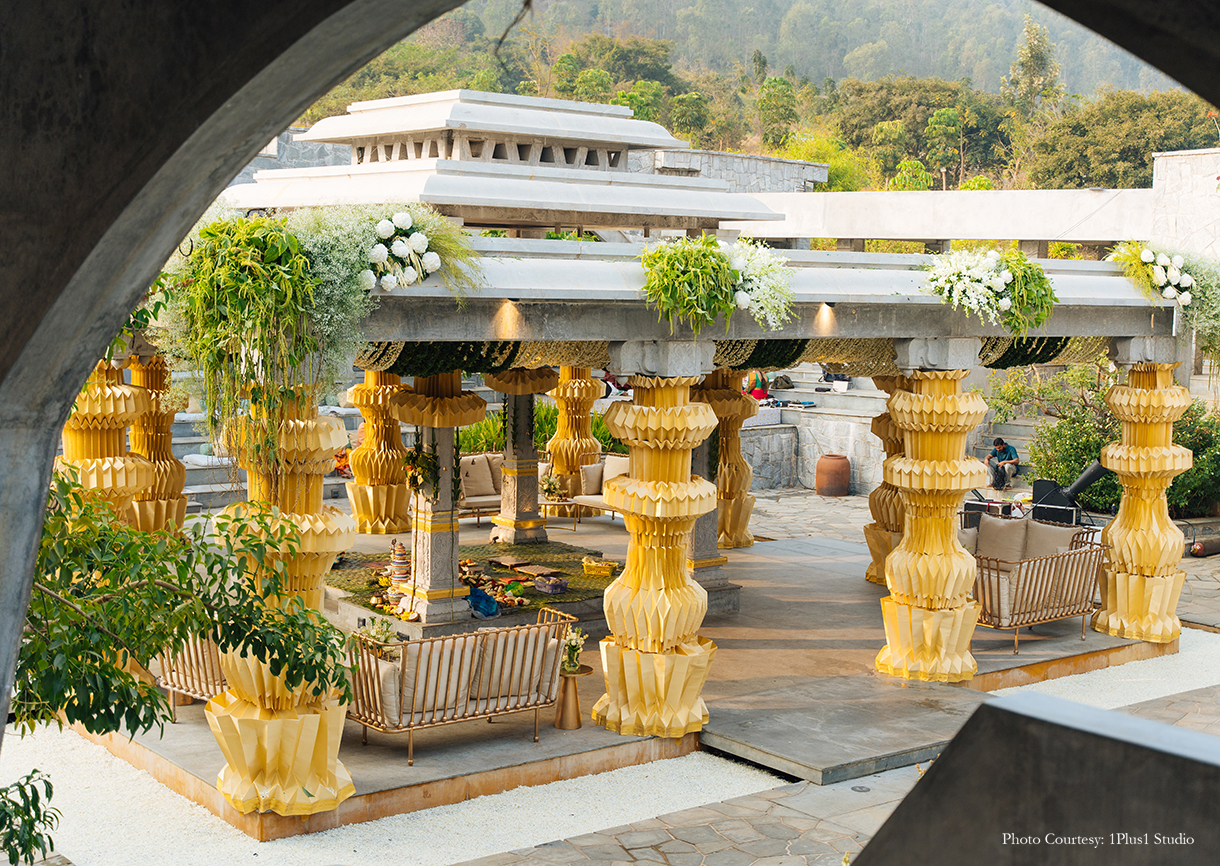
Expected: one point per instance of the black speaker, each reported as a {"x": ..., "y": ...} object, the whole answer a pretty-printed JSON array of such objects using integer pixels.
[
  {"x": 974, "y": 509},
  {"x": 1057, "y": 514}
]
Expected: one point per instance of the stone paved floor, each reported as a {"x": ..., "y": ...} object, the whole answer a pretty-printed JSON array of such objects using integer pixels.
[
  {"x": 787, "y": 826},
  {"x": 1198, "y": 710}
]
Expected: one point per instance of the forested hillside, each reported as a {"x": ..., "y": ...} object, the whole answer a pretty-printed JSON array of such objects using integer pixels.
[
  {"x": 866, "y": 39},
  {"x": 1014, "y": 122}
]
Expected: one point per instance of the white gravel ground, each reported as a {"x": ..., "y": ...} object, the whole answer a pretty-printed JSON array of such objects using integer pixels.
[
  {"x": 1196, "y": 665},
  {"x": 116, "y": 815}
]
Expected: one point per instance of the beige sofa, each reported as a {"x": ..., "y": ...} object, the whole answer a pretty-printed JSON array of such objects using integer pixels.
[
  {"x": 1031, "y": 572},
  {"x": 402, "y": 687},
  {"x": 482, "y": 476},
  {"x": 593, "y": 480}
]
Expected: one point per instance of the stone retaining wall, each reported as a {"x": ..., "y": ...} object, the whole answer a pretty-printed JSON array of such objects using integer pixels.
[
  {"x": 742, "y": 172},
  {"x": 295, "y": 154},
  {"x": 771, "y": 453}
]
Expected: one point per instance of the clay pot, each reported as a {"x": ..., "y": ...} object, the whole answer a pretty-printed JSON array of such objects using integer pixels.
[{"x": 833, "y": 475}]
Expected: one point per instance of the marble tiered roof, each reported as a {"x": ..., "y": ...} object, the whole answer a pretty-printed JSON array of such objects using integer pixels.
[{"x": 493, "y": 160}]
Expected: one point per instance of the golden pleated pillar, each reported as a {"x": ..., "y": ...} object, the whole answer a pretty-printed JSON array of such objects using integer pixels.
[
  {"x": 152, "y": 437},
  {"x": 721, "y": 390},
  {"x": 928, "y": 618},
  {"x": 884, "y": 503},
  {"x": 573, "y": 444},
  {"x": 1142, "y": 581},
  {"x": 95, "y": 440},
  {"x": 655, "y": 664},
  {"x": 282, "y": 746},
  {"x": 381, "y": 500}
]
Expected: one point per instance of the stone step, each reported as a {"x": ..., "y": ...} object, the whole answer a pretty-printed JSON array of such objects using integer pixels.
[
  {"x": 864, "y": 402},
  {"x": 184, "y": 445},
  {"x": 197, "y": 476},
  {"x": 212, "y": 496}
]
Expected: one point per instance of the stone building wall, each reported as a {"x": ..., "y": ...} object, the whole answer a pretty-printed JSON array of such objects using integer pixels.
[
  {"x": 295, "y": 154},
  {"x": 742, "y": 172},
  {"x": 1186, "y": 204},
  {"x": 771, "y": 453}
]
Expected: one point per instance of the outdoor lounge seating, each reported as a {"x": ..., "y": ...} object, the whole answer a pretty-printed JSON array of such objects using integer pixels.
[
  {"x": 481, "y": 478},
  {"x": 1031, "y": 572},
  {"x": 593, "y": 480},
  {"x": 194, "y": 671},
  {"x": 489, "y": 672}
]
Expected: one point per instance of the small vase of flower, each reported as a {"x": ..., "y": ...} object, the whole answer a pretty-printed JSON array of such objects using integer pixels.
[{"x": 572, "y": 645}]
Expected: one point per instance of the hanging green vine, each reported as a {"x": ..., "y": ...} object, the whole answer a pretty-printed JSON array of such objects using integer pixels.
[
  {"x": 1029, "y": 350},
  {"x": 244, "y": 296},
  {"x": 433, "y": 358},
  {"x": 690, "y": 281}
]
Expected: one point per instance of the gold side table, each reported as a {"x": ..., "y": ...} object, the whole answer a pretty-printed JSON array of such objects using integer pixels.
[
  {"x": 567, "y": 708},
  {"x": 558, "y": 503}
]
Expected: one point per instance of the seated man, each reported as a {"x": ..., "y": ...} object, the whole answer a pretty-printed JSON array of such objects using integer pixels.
[{"x": 1005, "y": 466}]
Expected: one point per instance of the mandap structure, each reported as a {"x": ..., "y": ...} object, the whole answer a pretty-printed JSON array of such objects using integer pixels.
[{"x": 527, "y": 166}]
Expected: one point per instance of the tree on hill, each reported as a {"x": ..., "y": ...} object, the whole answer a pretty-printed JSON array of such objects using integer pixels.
[
  {"x": 1033, "y": 82},
  {"x": 776, "y": 110},
  {"x": 945, "y": 140},
  {"x": 891, "y": 144},
  {"x": 689, "y": 113},
  {"x": 628, "y": 60},
  {"x": 1109, "y": 142}
]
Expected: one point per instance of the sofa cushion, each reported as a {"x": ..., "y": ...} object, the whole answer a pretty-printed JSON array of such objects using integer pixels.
[
  {"x": 615, "y": 465},
  {"x": 482, "y": 503},
  {"x": 476, "y": 477},
  {"x": 1001, "y": 539},
  {"x": 544, "y": 469},
  {"x": 511, "y": 664},
  {"x": 1044, "y": 539},
  {"x": 968, "y": 538},
  {"x": 591, "y": 479},
  {"x": 389, "y": 679},
  {"x": 436, "y": 677},
  {"x": 495, "y": 462}
]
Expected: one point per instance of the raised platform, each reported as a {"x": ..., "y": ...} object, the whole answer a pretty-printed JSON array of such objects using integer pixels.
[
  {"x": 452, "y": 763},
  {"x": 793, "y": 687}
]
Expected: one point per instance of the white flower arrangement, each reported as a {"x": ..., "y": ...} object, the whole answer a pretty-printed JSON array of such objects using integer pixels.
[
  {"x": 972, "y": 281},
  {"x": 406, "y": 260},
  {"x": 764, "y": 286},
  {"x": 1156, "y": 273}
]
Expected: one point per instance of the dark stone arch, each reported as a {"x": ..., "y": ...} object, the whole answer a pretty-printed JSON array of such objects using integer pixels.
[{"x": 119, "y": 124}]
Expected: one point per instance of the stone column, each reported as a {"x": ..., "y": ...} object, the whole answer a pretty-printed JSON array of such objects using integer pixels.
[
  {"x": 95, "y": 439},
  {"x": 519, "y": 521},
  {"x": 573, "y": 444},
  {"x": 721, "y": 390},
  {"x": 152, "y": 438},
  {"x": 381, "y": 500},
  {"x": 437, "y": 406},
  {"x": 654, "y": 662},
  {"x": 281, "y": 746},
  {"x": 1142, "y": 581},
  {"x": 884, "y": 503},
  {"x": 928, "y": 617},
  {"x": 704, "y": 559}
]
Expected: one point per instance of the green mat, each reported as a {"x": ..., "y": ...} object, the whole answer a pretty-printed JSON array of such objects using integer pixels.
[{"x": 357, "y": 572}]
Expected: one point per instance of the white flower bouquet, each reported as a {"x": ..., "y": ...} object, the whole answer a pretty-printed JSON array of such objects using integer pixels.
[
  {"x": 1001, "y": 288},
  {"x": 764, "y": 286},
  {"x": 1157, "y": 274},
  {"x": 401, "y": 256}
]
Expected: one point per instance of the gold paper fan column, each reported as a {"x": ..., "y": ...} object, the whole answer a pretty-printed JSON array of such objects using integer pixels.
[
  {"x": 519, "y": 520},
  {"x": 95, "y": 440},
  {"x": 734, "y": 502},
  {"x": 574, "y": 444},
  {"x": 282, "y": 746},
  {"x": 381, "y": 500},
  {"x": 438, "y": 405},
  {"x": 928, "y": 618},
  {"x": 152, "y": 437},
  {"x": 1142, "y": 581},
  {"x": 884, "y": 503},
  {"x": 655, "y": 664}
]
